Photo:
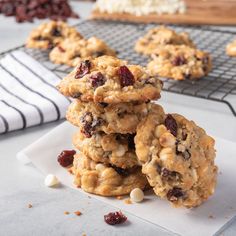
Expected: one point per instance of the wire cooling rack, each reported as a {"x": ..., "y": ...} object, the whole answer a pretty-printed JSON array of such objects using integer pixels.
[{"x": 219, "y": 85}]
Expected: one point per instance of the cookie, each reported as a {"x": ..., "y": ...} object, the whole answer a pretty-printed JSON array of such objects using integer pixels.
[
  {"x": 231, "y": 49},
  {"x": 106, "y": 180},
  {"x": 177, "y": 157},
  {"x": 159, "y": 37},
  {"x": 49, "y": 34},
  {"x": 120, "y": 118},
  {"x": 180, "y": 63},
  {"x": 110, "y": 80},
  {"x": 114, "y": 149},
  {"x": 72, "y": 50}
]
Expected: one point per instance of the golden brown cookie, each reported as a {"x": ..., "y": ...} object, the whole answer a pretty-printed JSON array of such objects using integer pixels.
[
  {"x": 177, "y": 157},
  {"x": 106, "y": 180},
  {"x": 110, "y": 80},
  {"x": 180, "y": 62},
  {"x": 231, "y": 49},
  {"x": 114, "y": 149},
  {"x": 110, "y": 118},
  {"x": 72, "y": 50},
  {"x": 49, "y": 34},
  {"x": 159, "y": 37}
]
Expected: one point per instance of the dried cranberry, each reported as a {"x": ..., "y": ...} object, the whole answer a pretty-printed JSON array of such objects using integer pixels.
[
  {"x": 131, "y": 143},
  {"x": 114, "y": 218},
  {"x": 170, "y": 175},
  {"x": 179, "y": 61},
  {"x": 174, "y": 194},
  {"x": 61, "y": 49},
  {"x": 8, "y": 9},
  {"x": 66, "y": 157},
  {"x": 126, "y": 77},
  {"x": 103, "y": 104},
  {"x": 83, "y": 69},
  {"x": 171, "y": 124},
  {"x": 97, "y": 79},
  {"x": 120, "y": 171},
  {"x": 56, "y": 32}
]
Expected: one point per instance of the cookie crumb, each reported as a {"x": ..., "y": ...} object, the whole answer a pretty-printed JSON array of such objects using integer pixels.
[
  {"x": 83, "y": 234},
  {"x": 211, "y": 217},
  {"x": 78, "y": 213},
  {"x": 70, "y": 171},
  {"x": 127, "y": 201},
  {"x": 66, "y": 212},
  {"x": 30, "y": 205},
  {"x": 119, "y": 197}
]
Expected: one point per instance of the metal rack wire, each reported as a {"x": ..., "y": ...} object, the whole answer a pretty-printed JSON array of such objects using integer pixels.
[{"x": 219, "y": 85}]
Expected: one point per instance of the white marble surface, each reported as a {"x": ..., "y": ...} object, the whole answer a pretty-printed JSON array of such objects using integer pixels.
[{"x": 21, "y": 185}]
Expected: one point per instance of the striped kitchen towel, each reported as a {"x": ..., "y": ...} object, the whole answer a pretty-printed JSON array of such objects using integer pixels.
[{"x": 28, "y": 95}]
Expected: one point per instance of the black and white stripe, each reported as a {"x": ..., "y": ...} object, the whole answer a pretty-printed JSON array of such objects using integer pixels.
[{"x": 28, "y": 95}]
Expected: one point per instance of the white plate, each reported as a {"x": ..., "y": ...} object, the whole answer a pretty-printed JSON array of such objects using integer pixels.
[{"x": 222, "y": 206}]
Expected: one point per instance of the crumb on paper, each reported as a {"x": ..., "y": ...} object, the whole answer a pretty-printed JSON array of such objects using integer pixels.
[
  {"x": 66, "y": 212},
  {"x": 89, "y": 197},
  {"x": 211, "y": 217},
  {"x": 83, "y": 234},
  {"x": 78, "y": 213},
  {"x": 70, "y": 171},
  {"x": 127, "y": 201},
  {"x": 30, "y": 205},
  {"x": 119, "y": 197}
]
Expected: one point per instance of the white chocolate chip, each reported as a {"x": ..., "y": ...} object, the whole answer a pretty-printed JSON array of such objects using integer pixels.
[
  {"x": 100, "y": 167},
  {"x": 194, "y": 174},
  {"x": 167, "y": 140},
  {"x": 160, "y": 129},
  {"x": 165, "y": 154},
  {"x": 120, "y": 151},
  {"x": 51, "y": 180},
  {"x": 136, "y": 195}
]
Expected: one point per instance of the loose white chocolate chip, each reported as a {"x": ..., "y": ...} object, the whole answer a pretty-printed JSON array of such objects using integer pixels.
[
  {"x": 51, "y": 180},
  {"x": 100, "y": 167},
  {"x": 136, "y": 195},
  {"x": 167, "y": 140},
  {"x": 160, "y": 129}
]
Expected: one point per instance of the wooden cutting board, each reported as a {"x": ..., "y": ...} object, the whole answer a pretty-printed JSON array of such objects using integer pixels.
[{"x": 199, "y": 12}]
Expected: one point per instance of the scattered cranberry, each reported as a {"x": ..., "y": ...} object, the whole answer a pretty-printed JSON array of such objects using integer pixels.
[
  {"x": 179, "y": 61},
  {"x": 26, "y": 10},
  {"x": 171, "y": 124},
  {"x": 174, "y": 194},
  {"x": 66, "y": 157},
  {"x": 126, "y": 77},
  {"x": 114, "y": 218},
  {"x": 83, "y": 69},
  {"x": 97, "y": 80}
]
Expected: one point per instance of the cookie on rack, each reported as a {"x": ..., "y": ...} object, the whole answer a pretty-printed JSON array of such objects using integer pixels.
[
  {"x": 177, "y": 157},
  {"x": 231, "y": 49},
  {"x": 120, "y": 118},
  {"x": 161, "y": 36},
  {"x": 114, "y": 149},
  {"x": 49, "y": 34},
  {"x": 106, "y": 180},
  {"x": 72, "y": 50},
  {"x": 180, "y": 63},
  {"x": 110, "y": 80}
]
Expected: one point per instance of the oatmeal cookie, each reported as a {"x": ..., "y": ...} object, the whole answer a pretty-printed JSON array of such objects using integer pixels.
[
  {"x": 110, "y": 80},
  {"x": 180, "y": 62},
  {"x": 114, "y": 149},
  {"x": 106, "y": 180},
  {"x": 177, "y": 157},
  {"x": 72, "y": 50},
  {"x": 161, "y": 36},
  {"x": 49, "y": 34},
  {"x": 231, "y": 49},
  {"x": 120, "y": 118}
]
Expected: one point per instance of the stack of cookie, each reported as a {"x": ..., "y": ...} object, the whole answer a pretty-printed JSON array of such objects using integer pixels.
[
  {"x": 111, "y": 98},
  {"x": 173, "y": 55}
]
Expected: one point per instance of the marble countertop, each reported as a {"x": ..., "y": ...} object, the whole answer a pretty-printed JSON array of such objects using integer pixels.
[{"x": 22, "y": 184}]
